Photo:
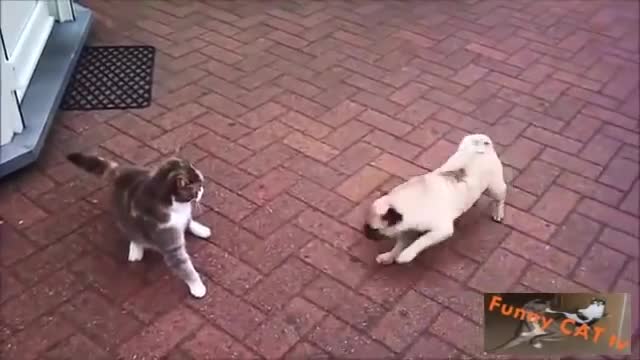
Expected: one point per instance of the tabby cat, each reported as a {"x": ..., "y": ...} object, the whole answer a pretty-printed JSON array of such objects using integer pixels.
[{"x": 153, "y": 207}]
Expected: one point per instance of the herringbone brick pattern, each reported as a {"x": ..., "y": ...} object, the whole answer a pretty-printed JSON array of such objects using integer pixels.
[{"x": 299, "y": 112}]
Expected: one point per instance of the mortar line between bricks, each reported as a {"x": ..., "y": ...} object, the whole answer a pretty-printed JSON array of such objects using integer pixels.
[{"x": 575, "y": 268}]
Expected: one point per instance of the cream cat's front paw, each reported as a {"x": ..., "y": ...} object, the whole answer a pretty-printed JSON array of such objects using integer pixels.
[
  {"x": 199, "y": 230},
  {"x": 136, "y": 252},
  {"x": 197, "y": 289},
  {"x": 406, "y": 257}
]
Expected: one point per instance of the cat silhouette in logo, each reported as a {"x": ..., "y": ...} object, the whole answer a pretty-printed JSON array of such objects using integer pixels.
[{"x": 587, "y": 316}]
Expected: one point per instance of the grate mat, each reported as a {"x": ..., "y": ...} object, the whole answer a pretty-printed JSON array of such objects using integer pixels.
[{"x": 111, "y": 77}]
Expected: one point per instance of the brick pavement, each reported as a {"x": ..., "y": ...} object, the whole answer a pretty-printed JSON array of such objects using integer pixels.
[{"x": 299, "y": 113}]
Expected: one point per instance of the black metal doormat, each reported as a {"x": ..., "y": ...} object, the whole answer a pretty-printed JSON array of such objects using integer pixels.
[{"x": 111, "y": 77}]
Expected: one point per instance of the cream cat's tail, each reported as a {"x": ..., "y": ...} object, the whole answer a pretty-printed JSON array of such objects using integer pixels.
[{"x": 93, "y": 164}]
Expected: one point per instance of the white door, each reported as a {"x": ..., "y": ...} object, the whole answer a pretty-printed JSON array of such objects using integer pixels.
[{"x": 25, "y": 26}]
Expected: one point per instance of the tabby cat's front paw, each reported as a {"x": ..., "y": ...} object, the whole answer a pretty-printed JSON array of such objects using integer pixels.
[{"x": 199, "y": 230}]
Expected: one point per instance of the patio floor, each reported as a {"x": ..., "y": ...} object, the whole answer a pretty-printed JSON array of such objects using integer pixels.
[{"x": 300, "y": 112}]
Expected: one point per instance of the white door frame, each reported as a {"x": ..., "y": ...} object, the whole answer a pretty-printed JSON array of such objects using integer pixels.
[{"x": 19, "y": 63}]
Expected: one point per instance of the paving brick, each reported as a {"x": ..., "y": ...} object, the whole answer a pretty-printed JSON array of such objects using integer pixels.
[
  {"x": 352, "y": 159},
  {"x": 278, "y": 334},
  {"x": 590, "y": 188},
  {"x": 631, "y": 201},
  {"x": 306, "y": 125},
  {"x": 310, "y": 147},
  {"x": 528, "y": 224},
  {"x": 306, "y": 350},
  {"x": 225, "y": 174},
  {"x": 20, "y": 212},
  {"x": 411, "y": 315},
  {"x": 537, "y": 177},
  {"x": 452, "y": 294},
  {"x": 610, "y": 216},
  {"x": 230, "y": 313},
  {"x": 334, "y": 262},
  {"x": 227, "y": 270},
  {"x": 162, "y": 335},
  {"x": 478, "y": 239},
  {"x": 398, "y": 167},
  {"x": 14, "y": 246},
  {"x": 384, "y": 123},
  {"x": 541, "y": 253},
  {"x": 620, "y": 174},
  {"x": 360, "y": 184},
  {"x": 270, "y": 185},
  {"x": 225, "y": 127},
  {"x": 451, "y": 326},
  {"x": 555, "y": 204},
  {"x": 40, "y": 299},
  {"x": 544, "y": 280},
  {"x": 222, "y": 148},
  {"x": 436, "y": 155},
  {"x": 576, "y": 234},
  {"x": 491, "y": 276},
  {"x": 599, "y": 267},
  {"x": 263, "y": 136},
  {"x": 347, "y": 134},
  {"x": 600, "y": 149},
  {"x": 620, "y": 241},
  {"x": 342, "y": 341},
  {"x": 314, "y": 170},
  {"x": 210, "y": 342},
  {"x": 267, "y": 159},
  {"x": 433, "y": 346},
  {"x": 35, "y": 339},
  {"x": 75, "y": 346}
]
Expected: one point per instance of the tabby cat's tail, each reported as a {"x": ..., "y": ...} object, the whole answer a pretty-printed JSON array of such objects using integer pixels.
[{"x": 93, "y": 164}]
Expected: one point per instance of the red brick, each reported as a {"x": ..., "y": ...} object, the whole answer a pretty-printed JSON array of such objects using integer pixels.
[
  {"x": 225, "y": 174},
  {"x": 631, "y": 201},
  {"x": 310, "y": 147},
  {"x": 265, "y": 135},
  {"x": 384, "y": 123},
  {"x": 590, "y": 188},
  {"x": 599, "y": 268},
  {"x": 550, "y": 89},
  {"x": 30, "y": 343},
  {"x": 227, "y": 203},
  {"x": 555, "y": 204},
  {"x": 537, "y": 177},
  {"x": 411, "y": 315},
  {"x": 536, "y": 118},
  {"x": 176, "y": 138},
  {"x": 364, "y": 83},
  {"x": 328, "y": 229},
  {"x": 352, "y": 159},
  {"x": 305, "y": 125},
  {"x": 136, "y": 127},
  {"x": 211, "y": 343},
  {"x": 481, "y": 93},
  {"x": 320, "y": 198},
  {"x": 611, "y": 117},
  {"x": 437, "y": 82},
  {"x": 14, "y": 245},
  {"x": 397, "y": 166},
  {"x": 301, "y": 105},
  {"x": 280, "y": 333},
  {"x": 347, "y": 134},
  {"x": 224, "y": 126},
  {"x": 312, "y": 169},
  {"x": 165, "y": 333},
  {"x": 377, "y": 103},
  {"x": 408, "y": 93},
  {"x": 452, "y": 327},
  {"x": 334, "y": 262},
  {"x": 262, "y": 115},
  {"x": 96, "y": 317},
  {"x": 360, "y": 184},
  {"x": 50, "y": 259},
  {"x": 565, "y": 108},
  {"x": 570, "y": 163},
  {"x": 392, "y": 144},
  {"x": 342, "y": 341},
  {"x": 299, "y": 87},
  {"x": 469, "y": 74},
  {"x": 431, "y": 345},
  {"x": 540, "y": 253},
  {"x": 620, "y": 173},
  {"x": 620, "y": 241},
  {"x": 506, "y": 130},
  {"x": 436, "y": 155},
  {"x": 389, "y": 283},
  {"x": 479, "y": 238},
  {"x": 76, "y": 346},
  {"x": 74, "y": 216},
  {"x": 19, "y": 211},
  {"x": 270, "y": 185},
  {"x": 227, "y": 270},
  {"x": 267, "y": 159},
  {"x": 305, "y": 350},
  {"x": 222, "y": 148},
  {"x": 576, "y": 234},
  {"x": 452, "y": 294},
  {"x": 40, "y": 299},
  {"x": 623, "y": 135},
  {"x": 491, "y": 276},
  {"x": 344, "y": 303},
  {"x": 418, "y": 112},
  {"x": 166, "y": 293},
  {"x": 543, "y": 280},
  {"x": 600, "y": 149},
  {"x": 609, "y": 215},
  {"x": 180, "y": 115},
  {"x": 528, "y": 224},
  {"x": 553, "y": 140},
  {"x": 230, "y": 313}
]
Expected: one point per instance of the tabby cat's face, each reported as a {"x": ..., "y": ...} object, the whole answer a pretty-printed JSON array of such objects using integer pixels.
[{"x": 185, "y": 182}]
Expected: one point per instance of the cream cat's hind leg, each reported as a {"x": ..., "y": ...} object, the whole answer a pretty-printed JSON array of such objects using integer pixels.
[
  {"x": 136, "y": 251},
  {"x": 199, "y": 229}
]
